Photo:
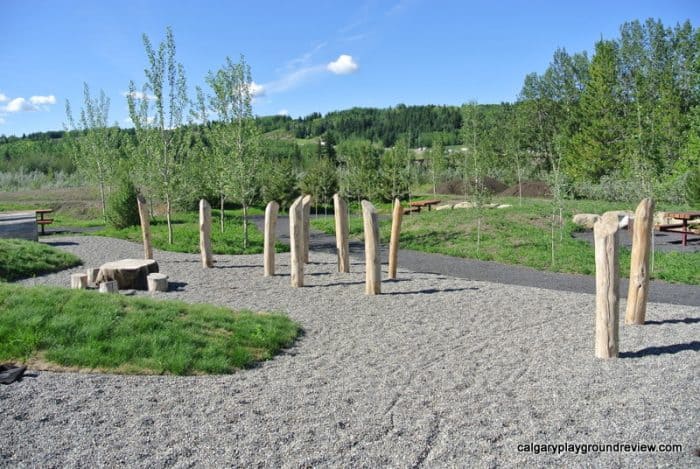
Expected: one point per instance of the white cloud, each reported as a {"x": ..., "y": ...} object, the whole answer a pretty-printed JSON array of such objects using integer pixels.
[
  {"x": 256, "y": 89},
  {"x": 19, "y": 105},
  {"x": 37, "y": 100},
  {"x": 292, "y": 80},
  {"x": 3, "y": 98},
  {"x": 283, "y": 112},
  {"x": 343, "y": 65},
  {"x": 139, "y": 95}
]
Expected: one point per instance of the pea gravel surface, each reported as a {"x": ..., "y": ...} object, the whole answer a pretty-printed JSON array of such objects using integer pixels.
[{"x": 436, "y": 371}]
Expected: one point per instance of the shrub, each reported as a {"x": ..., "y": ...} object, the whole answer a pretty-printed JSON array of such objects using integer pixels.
[{"x": 122, "y": 207}]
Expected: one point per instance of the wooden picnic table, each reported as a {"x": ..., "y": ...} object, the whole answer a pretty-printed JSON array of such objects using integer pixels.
[
  {"x": 41, "y": 221},
  {"x": 682, "y": 227},
  {"x": 129, "y": 273},
  {"x": 424, "y": 203}
]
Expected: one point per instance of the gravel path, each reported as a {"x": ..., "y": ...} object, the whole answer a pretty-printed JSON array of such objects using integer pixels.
[{"x": 437, "y": 371}]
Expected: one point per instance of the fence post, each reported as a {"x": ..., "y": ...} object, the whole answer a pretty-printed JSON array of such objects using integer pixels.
[
  {"x": 205, "y": 234},
  {"x": 341, "y": 233},
  {"x": 270, "y": 232},
  {"x": 607, "y": 278},
  {"x": 145, "y": 226},
  {"x": 639, "y": 266},
  {"x": 296, "y": 242},
  {"x": 394, "y": 241},
  {"x": 372, "y": 265}
]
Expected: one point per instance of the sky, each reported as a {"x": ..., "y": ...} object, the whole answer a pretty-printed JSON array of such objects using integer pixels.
[{"x": 305, "y": 56}]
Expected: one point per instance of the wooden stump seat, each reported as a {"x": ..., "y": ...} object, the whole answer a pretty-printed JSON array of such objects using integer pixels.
[{"x": 128, "y": 273}]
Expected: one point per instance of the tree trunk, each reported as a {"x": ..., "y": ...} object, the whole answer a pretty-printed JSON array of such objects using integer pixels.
[
  {"x": 372, "y": 264},
  {"x": 639, "y": 266},
  {"x": 221, "y": 213},
  {"x": 245, "y": 226},
  {"x": 607, "y": 275},
  {"x": 145, "y": 227},
  {"x": 341, "y": 233},
  {"x": 270, "y": 232},
  {"x": 168, "y": 209},
  {"x": 395, "y": 234},
  {"x": 205, "y": 234},
  {"x": 296, "y": 242},
  {"x": 103, "y": 199}
]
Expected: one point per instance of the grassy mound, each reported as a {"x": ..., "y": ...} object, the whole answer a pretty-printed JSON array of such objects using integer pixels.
[
  {"x": 22, "y": 259},
  {"x": 88, "y": 330}
]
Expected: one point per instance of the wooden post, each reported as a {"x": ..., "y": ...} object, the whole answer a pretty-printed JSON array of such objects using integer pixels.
[
  {"x": 110, "y": 286},
  {"x": 306, "y": 205},
  {"x": 205, "y": 234},
  {"x": 296, "y": 242},
  {"x": 92, "y": 275},
  {"x": 639, "y": 267},
  {"x": 607, "y": 278},
  {"x": 270, "y": 232},
  {"x": 341, "y": 233},
  {"x": 394, "y": 242},
  {"x": 78, "y": 281},
  {"x": 145, "y": 227},
  {"x": 372, "y": 265}
]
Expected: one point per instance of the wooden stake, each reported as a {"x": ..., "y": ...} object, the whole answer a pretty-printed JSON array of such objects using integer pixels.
[
  {"x": 372, "y": 265},
  {"x": 205, "y": 234},
  {"x": 607, "y": 277},
  {"x": 394, "y": 241},
  {"x": 306, "y": 205},
  {"x": 270, "y": 232},
  {"x": 639, "y": 267},
  {"x": 296, "y": 242},
  {"x": 78, "y": 281},
  {"x": 145, "y": 227},
  {"x": 341, "y": 233}
]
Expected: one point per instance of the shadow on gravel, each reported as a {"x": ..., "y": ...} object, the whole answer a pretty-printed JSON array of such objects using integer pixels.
[
  {"x": 61, "y": 243},
  {"x": 340, "y": 284},
  {"x": 667, "y": 349},
  {"x": 429, "y": 291},
  {"x": 177, "y": 286},
  {"x": 238, "y": 266},
  {"x": 674, "y": 321}
]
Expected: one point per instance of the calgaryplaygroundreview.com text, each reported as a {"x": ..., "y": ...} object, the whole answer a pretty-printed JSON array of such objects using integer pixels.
[{"x": 585, "y": 448}]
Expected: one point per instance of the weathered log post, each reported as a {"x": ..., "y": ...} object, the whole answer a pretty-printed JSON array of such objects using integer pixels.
[
  {"x": 92, "y": 275},
  {"x": 145, "y": 227},
  {"x": 296, "y": 242},
  {"x": 639, "y": 266},
  {"x": 394, "y": 241},
  {"x": 205, "y": 234},
  {"x": 270, "y": 232},
  {"x": 372, "y": 264},
  {"x": 79, "y": 281},
  {"x": 607, "y": 277},
  {"x": 341, "y": 233},
  {"x": 306, "y": 205}
]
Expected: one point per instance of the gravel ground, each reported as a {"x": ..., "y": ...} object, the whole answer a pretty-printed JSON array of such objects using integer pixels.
[{"x": 437, "y": 371}]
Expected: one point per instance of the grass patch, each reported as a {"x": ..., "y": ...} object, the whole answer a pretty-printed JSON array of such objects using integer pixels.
[
  {"x": 22, "y": 259},
  {"x": 520, "y": 235},
  {"x": 88, "y": 330}
]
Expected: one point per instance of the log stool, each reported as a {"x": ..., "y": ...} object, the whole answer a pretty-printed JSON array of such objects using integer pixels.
[{"x": 157, "y": 282}]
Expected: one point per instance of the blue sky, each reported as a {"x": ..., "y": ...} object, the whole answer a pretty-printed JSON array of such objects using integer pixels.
[{"x": 305, "y": 56}]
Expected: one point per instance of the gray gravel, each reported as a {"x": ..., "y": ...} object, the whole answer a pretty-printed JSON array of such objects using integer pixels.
[{"x": 437, "y": 372}]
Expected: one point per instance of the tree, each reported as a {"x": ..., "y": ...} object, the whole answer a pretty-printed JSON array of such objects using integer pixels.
[
  {"x": 161, "y": 139},
  {"x": 396, "y": 171},
  {"x": 436, "y": 161},
  {"x": 320, "y": 181},
  {"x": 359, "y": 169},
  {"x": 95, "y": 144}
]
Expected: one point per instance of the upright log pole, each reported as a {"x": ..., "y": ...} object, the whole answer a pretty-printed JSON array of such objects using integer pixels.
[
  {"x": 639, "y": 267},
  {"x": 270, "y": 232},
  {"x": 607, "y": 278},
  {"x": 394, "y": 241},
  {"x": 306, "y": 206},
  {"x": 205, "y": 234},
  {"x": 341, "y": 233},
  {"x": 145, "y": 227},
  {"x": 296, "y": 242},
  {"x": 372, "y": 265}
]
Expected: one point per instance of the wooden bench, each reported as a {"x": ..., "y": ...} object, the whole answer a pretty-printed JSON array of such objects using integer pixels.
[
  {"x": 41, "y": 221},
  {"x": 681, "y": 228},
  {"x": 416, "y": 206},
  {"x": 411, "y": 210}
]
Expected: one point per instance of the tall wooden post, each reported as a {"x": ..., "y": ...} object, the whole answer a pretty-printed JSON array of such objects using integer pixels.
[
  {"x": 341, "y": 233},
  {"x": 607, "y": 278},
  {"x": 296, "y": 242},
  {"x": 306, "y": 206},
  {"x": 394, "y": 241},
  {"x": 270, "y": 232},
  {"x": 205, "y": 234},
  {"x": 145, "y": 227},
  {"x": 372, "y": 265},
  {"x": 639, "y": 267}
]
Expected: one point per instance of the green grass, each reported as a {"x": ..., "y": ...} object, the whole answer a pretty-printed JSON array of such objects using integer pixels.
[
  {"x": 520, "y": 235},
  {"x": 186, "y": 234},
  {"x": 22, "y": 259},
  {"x": 88, "y": 330}
]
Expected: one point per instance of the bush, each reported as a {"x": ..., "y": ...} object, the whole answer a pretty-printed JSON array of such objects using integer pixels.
[
  {"x": 692, "y": 187},
  {"x": 122, "y": 207}
]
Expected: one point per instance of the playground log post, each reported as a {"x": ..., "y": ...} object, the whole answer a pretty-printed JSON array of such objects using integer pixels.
[
  {"x": 341, "y": 233},
  {"x": 372, "y": 265},
  {"x": 394, "y": 241},
  {"x": 639, "y": 266},
  {"x": 270, "y": 231},
  {"x": 205, "y": 234}
]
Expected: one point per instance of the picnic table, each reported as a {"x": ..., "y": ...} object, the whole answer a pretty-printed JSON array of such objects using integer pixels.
[
  {"x": 129, "y": 273},
  {"x": 41, "y": 221},
  {"x": 416, "y": 206},
  {"x": 682, "y": 227}
]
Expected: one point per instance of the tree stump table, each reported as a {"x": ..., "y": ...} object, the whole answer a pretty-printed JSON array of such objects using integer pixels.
[{"x": 128, "y": 273}]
